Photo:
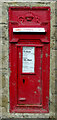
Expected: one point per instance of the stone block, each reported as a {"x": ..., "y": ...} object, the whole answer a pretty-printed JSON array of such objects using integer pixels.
[
  {"x": 4, "y": 101},
  {"x": 55, "y": 59},
  {"x": 56, "y": 102},
  {"x": 0, "y": 111},
  {"x": 1, "y": 96},
  {"x": 5, "y": 62},
  {"x": 4, "y": 13},
  {"x": 0, "y": 79},
  {"x": 56, "y": 33},
  {"x": 56, "y": 73},
  {"x": 3, "y": 109},
  {"x": 5, "y": 31},
  {"x": 0, "y": 13},
  {"x": 56, "y": 45},
  {"x": 0, "y": 31},
  {"x": 3, "y": 81},
  {"x": 52, "y": 45},
  {"x": 56, "y": 86},
  {"x": 56, "y": 5}
]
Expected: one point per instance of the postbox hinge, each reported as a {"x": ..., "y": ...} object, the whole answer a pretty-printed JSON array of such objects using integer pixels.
[
  {"x": 13, "y": 22},
  {"x": 14, "y": 40},
  {"x": 22, "y": 99},
  {"x": 44, "y": 40}
]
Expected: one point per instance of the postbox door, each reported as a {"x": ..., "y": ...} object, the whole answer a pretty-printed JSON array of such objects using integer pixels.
[{"x": 29, "y": 75}]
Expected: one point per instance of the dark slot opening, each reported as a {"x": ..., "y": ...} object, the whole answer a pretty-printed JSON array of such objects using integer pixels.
[
  {"x": 23, "y": 81},
  {"x": 30, "y": 33}
]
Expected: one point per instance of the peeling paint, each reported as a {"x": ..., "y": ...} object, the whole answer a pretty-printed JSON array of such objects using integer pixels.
[
  {"x": 46, "y": 55},
  {"x": 38, "y": 88},
  {"x": 39, "y": 81},
  {"x": 40, "y": 68},
  {"x": 19, "y": 54},
  {"x": 41, "y": 55},
  {"x": 35, "y": 92}
]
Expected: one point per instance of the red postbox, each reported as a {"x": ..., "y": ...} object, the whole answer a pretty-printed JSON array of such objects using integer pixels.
[{"x": 29, "y": 59}]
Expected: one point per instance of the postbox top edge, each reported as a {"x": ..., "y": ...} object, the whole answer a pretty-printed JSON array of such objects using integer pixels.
[{"x": 31, "y": 8}]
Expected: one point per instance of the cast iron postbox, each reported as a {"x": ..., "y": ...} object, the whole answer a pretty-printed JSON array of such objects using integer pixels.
[{"x": 29, "y": 59}]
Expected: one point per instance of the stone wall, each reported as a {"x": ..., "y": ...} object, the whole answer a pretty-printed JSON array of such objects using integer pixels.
[
  {"x": 56, "y": 59},
  {"x": 5, "y": 61}
]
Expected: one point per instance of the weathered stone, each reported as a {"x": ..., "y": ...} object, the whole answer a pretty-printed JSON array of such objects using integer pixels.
[
  {"x": 56, "y": 5},
  {"x": 52, "y": 45},
  {"x": 56, "y": 34},
  {"x": 0, "y": 31},
  {"x": 0, "y": 111},
  {"x": 56, "y": 74},
  {"x": 5, "y": 62},
  {"x": 56, "y": 45},
  {"x": 3, "y": 110},
  {"x": 3, "y": 81},
  {"x": 5, "y": 31},
  {"x": 56, "y": 60},
  {"x": 56, "y": 86},
  {"x": 0, "y": 98},
  {"x": 4, "y": 100},
  {"x": 0, "y": 13},
  {"x": 56, "y": 106}
]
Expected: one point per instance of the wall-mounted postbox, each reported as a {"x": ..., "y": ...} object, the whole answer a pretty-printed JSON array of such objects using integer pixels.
[{"x": 29, "y": 59}]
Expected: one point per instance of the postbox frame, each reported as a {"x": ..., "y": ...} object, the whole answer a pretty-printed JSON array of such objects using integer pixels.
[{"x": 14, "y": 107}]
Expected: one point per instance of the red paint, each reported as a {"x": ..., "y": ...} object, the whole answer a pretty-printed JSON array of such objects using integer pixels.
[{"x": 29, "y": 92}]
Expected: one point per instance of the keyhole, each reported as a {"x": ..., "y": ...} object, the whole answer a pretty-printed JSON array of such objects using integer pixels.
[{"x": 23, "y": 81}]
